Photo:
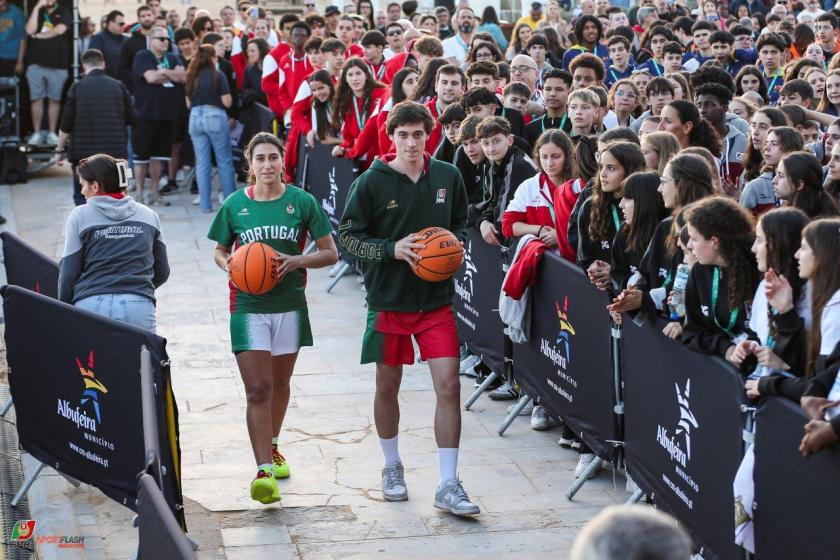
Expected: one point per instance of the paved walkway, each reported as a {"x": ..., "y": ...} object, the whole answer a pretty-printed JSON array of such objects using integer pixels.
[{"x": 332, "y": 506}]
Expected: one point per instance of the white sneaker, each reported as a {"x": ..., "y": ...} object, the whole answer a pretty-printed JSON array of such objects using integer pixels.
[
  {"x": 196, "y": 201},
  {"x": 453, "y": 498},
  {"x": 583, "y": 463},
  {"x": 36, "y": 138},
  {"x": 51, "y": 139},
  {"x": 468, "y": 363}
]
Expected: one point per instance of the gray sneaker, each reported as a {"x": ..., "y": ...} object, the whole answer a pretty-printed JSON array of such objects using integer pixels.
[
  {"x": 453, "y": 498},
  {"x": 393, "y": 483},
  {"x": 540, "y": 419}
]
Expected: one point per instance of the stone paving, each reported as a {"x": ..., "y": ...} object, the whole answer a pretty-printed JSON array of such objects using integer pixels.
[{"x": 332, "y": 507}]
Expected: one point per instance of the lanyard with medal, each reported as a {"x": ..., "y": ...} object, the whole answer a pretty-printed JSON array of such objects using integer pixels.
[
  {"x": 733, "y": 315},
  {"x": 360, "y": 119},
  {"x": 776, "y": 76},
  {"x": 543, "y": 188},
  {"x": 615, "y": 218},
  {"x": 562, "y": 122}
]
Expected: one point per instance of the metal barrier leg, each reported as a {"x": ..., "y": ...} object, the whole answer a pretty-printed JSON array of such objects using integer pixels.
[
  {"x": 6, "y": 406},
  {"x": 477, "y": 393},
  {"x": 309, "y": 247},
  {"x": 634, "y": 499},
  {"x": 573, "y": 489},
  {"x": 338, "y": 275},
  {"x": 523, "y": 402},
  {"x": 27, "y": 484}
]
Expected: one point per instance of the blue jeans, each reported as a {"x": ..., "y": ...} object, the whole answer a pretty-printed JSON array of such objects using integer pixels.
[
  {"x": 129, "y": 308},
  {"x": 209, "y": 130}
]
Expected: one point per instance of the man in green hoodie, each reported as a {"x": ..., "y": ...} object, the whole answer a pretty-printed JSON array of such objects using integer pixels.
[{"x": 388, "y": 204}]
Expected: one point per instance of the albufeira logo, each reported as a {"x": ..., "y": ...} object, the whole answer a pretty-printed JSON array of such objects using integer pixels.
[
  {"x": 91, "y": 390},
  {"x": 679, "y": 453}
]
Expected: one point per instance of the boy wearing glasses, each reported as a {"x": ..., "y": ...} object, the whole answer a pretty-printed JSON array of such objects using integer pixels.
[
  {"x": 155, "y": 72},
  {"x": 396, "y": 40}
]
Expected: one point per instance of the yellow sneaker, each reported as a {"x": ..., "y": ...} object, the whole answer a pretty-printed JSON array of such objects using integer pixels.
[
  {"x": 279, "y": 466},
  {"x": 264, "y": 488}
]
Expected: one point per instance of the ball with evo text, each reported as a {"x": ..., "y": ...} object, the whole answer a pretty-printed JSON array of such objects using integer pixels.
[
  {"x": 251, "y": 269},
  {"x": 442, "y": 254}
]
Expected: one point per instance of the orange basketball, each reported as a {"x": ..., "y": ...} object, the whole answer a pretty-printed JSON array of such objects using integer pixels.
[
  {"x": 442, "y": 255},
  {"x": 251, "y": 270}
]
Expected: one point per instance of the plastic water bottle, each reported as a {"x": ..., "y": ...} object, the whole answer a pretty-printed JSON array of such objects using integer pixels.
[{"x": 677, "y": 302}]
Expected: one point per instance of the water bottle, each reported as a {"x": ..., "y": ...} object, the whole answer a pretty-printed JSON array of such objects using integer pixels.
[{"x": 677, "y": 302}]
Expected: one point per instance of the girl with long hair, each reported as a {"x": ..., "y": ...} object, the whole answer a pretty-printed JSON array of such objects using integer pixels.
[
  {"x": 758, "y": 195},
  {"x": 555, "y": 49},
  {"x": 426, "y": 87},
  {"x": 624, "y": 100},
  {"x": 374, "y": 136},
  {"x": 643, "y": 209},
  {"x": 713, "y": 165},
  {"x": 252, "y": 92},
  {"x": 599, "y": 219},
  {"x": 782, "y": 340},
  {"x": 490, "y": 24},
  {"x": 798, "y": 183},
  {"x": 584, "y": 169},
  {"x": 518, "y": 40},
  {"x": 685, "y": 179},
  {"x": 358, "y": 98},
  {"x": 830, "y": 101},
  {"x": 484, "y": 51},
  {"x": 832, "y": 180},
  {"x": 761, "y": 123},
  {"x": 532, "y": 209},
  {"x": 816, "y": 78},
  {"x": 724, "y": 279},
  {"x": 311, "y": 118},
  {"x": 208, "y": 95},
  {"x": 682, "y": 119},
  {"x": 658, "y": 149},
  {"x": 682, "y": 87},
  {"x": 268, "y": 330},
  {"x": 750, "y": 78},
  {"x": 366, "y": 9}
]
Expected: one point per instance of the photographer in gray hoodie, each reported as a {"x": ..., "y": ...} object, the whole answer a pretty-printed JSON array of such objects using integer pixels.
[{"x": 114, "y": 255}]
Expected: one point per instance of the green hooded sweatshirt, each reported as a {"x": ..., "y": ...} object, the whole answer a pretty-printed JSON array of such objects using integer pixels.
[{"x": 385, "y": 206}]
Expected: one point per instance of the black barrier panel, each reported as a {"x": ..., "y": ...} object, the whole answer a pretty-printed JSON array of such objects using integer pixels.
[
  {"x": 682, "y": 432},
  {"x": 28, "y": 267},
  {"x": 567, "y": 362},
  {"x": 476, "y": 301},
  {"x": 160, "y": 536},
  {"x": 301, "y": 171},
  {"x": 329, "y": 178},
  {"x": 796, "y": 498},
  {"x": 75, "y": 380}
]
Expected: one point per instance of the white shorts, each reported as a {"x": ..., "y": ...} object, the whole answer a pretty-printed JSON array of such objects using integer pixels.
[{"x": 278, "y": 333}]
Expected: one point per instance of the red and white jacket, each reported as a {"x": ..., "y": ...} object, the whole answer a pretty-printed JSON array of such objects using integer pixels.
[
  {"x": 355, "y": 49},
  {"x": 238, "y": 60},
  {"x": 290, "y": 75},
  {"x": 351, "y": 129},
  {"x": 532, "y": 204},
  {"x": 435, "y": 136},
  {"x": 271, "y": 76}
]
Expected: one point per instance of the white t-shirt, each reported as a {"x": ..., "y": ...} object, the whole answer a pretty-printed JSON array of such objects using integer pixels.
[{"x": 455, "y": 47}]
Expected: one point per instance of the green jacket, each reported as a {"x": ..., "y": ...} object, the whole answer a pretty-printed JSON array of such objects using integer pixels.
[{"x": 383, "y": 207}]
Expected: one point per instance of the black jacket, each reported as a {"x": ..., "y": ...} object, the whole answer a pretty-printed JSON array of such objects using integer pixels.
[
  {"x": 624, "y": 264},
  {"x": 702, "y": 332},
  {"x": 504, "y": 177},
  {"x": 591, "y": 250},
  {"x": 111, "y": 47},
  {"x": 131, "y": 46},
  {"x": 475, "y": 179},
  {"x": 657, "y": 268},
  {"x": 96, "y": 114},
  {"x": 252, "y": 88},
  {"x": 820, "y": 385}
]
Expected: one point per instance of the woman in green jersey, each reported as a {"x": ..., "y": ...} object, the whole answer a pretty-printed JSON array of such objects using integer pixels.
[{"x": 267, "y": 331}]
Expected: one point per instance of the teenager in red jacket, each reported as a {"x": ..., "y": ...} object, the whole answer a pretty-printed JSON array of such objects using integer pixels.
[
  {"x": 358, "y": 98},
  {"x": 532, "y": 208},
  {"x": 293, "y": 69},
  {"x": 311, "y": 118}
]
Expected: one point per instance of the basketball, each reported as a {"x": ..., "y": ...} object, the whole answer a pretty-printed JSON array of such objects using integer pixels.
[
  {"x": 251, "y": 269},
  {"x": 442, "y": 255}
]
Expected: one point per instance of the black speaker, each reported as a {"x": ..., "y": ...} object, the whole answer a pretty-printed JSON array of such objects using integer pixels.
[
  {"x": 13, "y": 167},
  {"x": 9, "y": 111}
]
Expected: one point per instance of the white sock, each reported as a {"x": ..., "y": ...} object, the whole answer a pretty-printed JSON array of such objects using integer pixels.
[
  {"x": 391, "y": 451},
  {"x": 266, "y": 466},
  {"x": 274, "y": 441},
  {"x": 448, "y": 459}
]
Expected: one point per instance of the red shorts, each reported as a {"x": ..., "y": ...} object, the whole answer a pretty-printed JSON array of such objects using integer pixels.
[{"x": 388, "y": 335}]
